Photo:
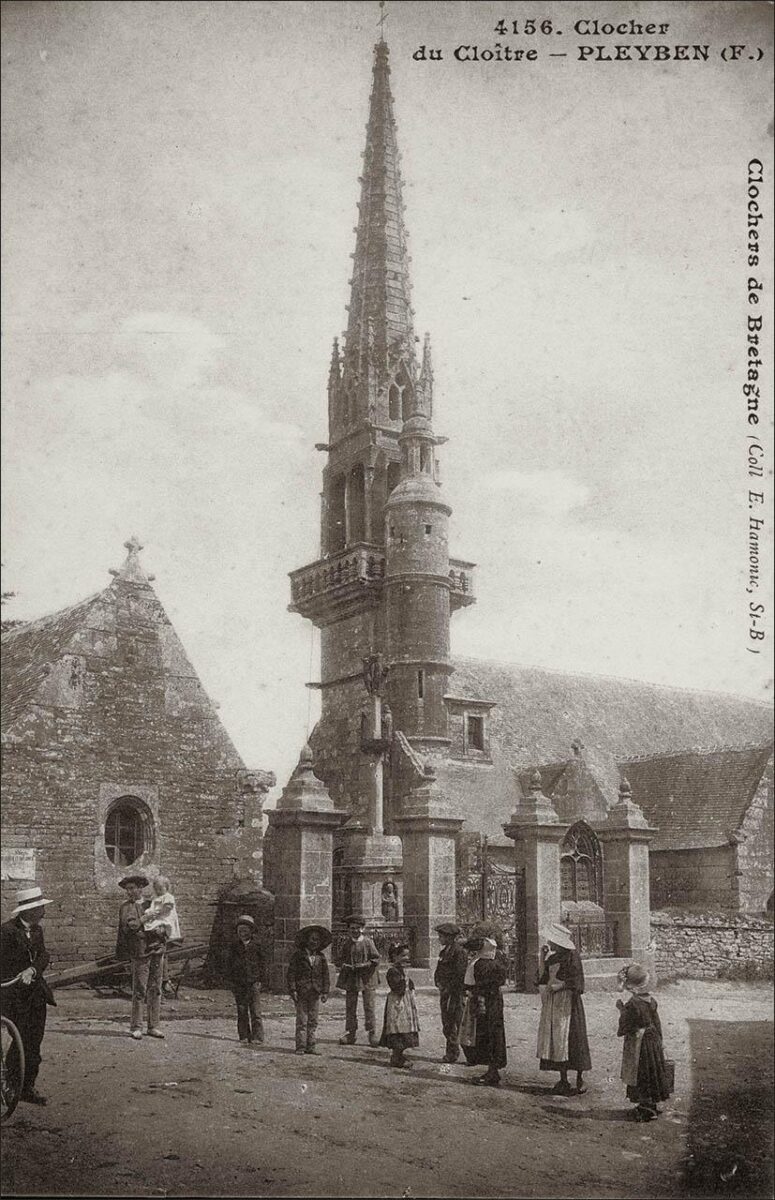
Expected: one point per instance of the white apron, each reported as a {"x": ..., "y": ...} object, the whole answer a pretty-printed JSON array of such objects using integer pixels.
[
  {"x": 631, "y": 1057},
  {"x": 555, "y": 1021}
]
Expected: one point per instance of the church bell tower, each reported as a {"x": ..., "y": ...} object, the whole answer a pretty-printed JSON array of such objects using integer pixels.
[{"x": 382, "y": 591}]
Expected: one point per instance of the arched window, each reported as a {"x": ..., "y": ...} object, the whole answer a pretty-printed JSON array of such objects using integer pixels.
[
  {"x": 400, "y": 396},
  {"x": 128, "y": 831},
  {"x": 581, "y": 866}
]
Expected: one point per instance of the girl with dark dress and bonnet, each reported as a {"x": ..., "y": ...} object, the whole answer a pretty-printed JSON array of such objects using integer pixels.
[
  {"x": 400, "y": 1028},
  {"x": 643, "y": 1058},
  {"x": 482, "y": 1032},
  {"x": 562, "y": 1032}
]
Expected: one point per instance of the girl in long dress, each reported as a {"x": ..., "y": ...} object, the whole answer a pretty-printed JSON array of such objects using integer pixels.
[
  {"x": 400, "y": 1028},
  {"x": 482, "y": 1032},
  {"x": 643, "y": 1058},
  {"x": 562, "y": 1032}
]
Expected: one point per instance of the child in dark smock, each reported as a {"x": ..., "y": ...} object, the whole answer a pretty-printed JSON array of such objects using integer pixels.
[
  {"x": 400, "y": 1028},
  {"x": 643, "y": 1057}
]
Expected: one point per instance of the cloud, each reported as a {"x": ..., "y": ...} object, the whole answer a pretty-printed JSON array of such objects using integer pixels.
[
  {"x": 545, "y": 491},
  {"x": 168, "y": 348}
]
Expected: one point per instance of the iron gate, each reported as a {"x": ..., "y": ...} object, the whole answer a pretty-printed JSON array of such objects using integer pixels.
[{"x": 490, "y": 892}]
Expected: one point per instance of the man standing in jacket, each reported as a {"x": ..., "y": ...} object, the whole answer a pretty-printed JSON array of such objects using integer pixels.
[
  {"x": 23, "y": 952},
  {"x": 147, "y": 961},
  {"x": 359, "y": 959},
  {"x": 449, "y": 979},
  {"x": 245, "y": 971}
]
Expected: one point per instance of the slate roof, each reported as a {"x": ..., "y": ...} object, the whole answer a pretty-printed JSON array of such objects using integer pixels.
[
  {"x": 28, "y": 651},
  {"x": 696, "y": 800},
  {"x": 539, "y": 713}
]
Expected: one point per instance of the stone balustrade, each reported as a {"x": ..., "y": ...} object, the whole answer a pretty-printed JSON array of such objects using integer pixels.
[
  {"x": 461, "y": 579},
  {"x": 321, "y": 589}
]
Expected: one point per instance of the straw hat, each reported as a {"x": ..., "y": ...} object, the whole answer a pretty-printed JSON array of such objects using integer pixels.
[
  {"x": 141, "y": 880},
  {"x": 245, "y": 919},
  {"x": 561, "y": 936},
  {"x": 27, "y": 898},
  {"x": 324, "y": 935},
  {"x": 635, "y": 976}
]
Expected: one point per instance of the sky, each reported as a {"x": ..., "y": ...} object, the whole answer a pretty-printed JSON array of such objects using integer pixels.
[{"x": 179, "y": 196}]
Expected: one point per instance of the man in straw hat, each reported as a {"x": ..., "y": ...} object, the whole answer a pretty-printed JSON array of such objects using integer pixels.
[
  {"x": 449, "y": 978},
  {"x": 147, "y": 959},
  {"x": 23, "y": 952},
  {"x": 358, "y": 962},
  {"x": 308, "y": 981},
  {"x": 245, "y": 971}
]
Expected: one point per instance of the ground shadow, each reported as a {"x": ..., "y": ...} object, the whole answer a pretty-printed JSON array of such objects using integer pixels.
[
  {"x": 590, "y": 1114},
  {"x": 100, "y": 1033},
  {"x": 730, "y": 1141}
]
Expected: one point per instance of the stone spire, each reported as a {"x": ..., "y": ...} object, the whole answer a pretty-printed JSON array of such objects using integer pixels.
[
  {"x": 380, "y": 288},
  {"x": 132, "y": 571}
]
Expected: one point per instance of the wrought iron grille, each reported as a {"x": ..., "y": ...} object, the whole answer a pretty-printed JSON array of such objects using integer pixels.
[{"x": 596, "y": 939}]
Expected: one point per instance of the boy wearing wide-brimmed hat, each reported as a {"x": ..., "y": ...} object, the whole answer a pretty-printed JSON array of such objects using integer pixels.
[
  {"x": 245, "y": 971},
  {"x": 308, "y": 981},
  {"x": 23, "y": 952}
]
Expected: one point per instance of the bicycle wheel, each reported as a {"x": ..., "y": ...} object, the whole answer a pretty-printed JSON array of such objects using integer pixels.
[{"x": 11, "y": 1067}]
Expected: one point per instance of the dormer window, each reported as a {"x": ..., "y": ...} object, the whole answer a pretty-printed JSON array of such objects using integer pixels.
[{"x": 474, "y": 732}]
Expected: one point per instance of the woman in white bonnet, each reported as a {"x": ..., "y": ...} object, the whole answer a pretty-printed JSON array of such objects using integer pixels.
[{"x": 562, "y": 1032}]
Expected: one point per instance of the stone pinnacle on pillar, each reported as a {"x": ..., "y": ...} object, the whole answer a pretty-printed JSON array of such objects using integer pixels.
[
  {"x": 535, "y": 808},
  {"x": 626, "y": 812}
]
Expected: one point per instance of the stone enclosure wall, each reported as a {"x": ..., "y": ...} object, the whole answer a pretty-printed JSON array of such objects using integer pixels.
[{"x": 712, "y": 947}]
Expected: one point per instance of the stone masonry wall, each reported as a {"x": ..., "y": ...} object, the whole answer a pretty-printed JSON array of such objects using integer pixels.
[
  {"x": 712, "y": 947},
  {"x": 131, "y": 720},
  {"x": 756, "y": 849},
  {"x": 704, "y": 879}
]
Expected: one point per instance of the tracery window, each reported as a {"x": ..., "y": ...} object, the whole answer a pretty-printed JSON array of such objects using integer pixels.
[{"x": 581, "y": 873}]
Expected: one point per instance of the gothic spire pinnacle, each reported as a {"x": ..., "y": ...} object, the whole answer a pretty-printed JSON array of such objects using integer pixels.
[
  {"x": 334, "y": 370},
  {"x": 380, "y": 288}
]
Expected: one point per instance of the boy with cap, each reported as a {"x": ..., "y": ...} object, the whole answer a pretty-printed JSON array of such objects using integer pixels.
[
  {"x": 449, "y": 978},
  {"x": 308, "y": 981},
  {"x": 23, "y": 952},
  {"x": 245, "y": 971},
  {"x": 358, "y": 962},
  {"x": 147, "y": 960}
]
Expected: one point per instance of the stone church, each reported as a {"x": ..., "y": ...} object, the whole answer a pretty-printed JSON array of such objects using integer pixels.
[
  {"x": 434, "y": 788},
  {"x": 114, "y": 757}
]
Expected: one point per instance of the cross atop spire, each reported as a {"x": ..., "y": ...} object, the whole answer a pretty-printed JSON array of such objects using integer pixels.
[{"x": 382, "y": 19}]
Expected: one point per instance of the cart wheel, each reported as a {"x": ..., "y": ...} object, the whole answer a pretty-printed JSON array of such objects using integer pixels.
[{"x": 11, "y": 1067}]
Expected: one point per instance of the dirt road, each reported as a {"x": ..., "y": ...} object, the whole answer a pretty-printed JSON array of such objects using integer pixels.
[{"x": 199, "y": 1114}]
